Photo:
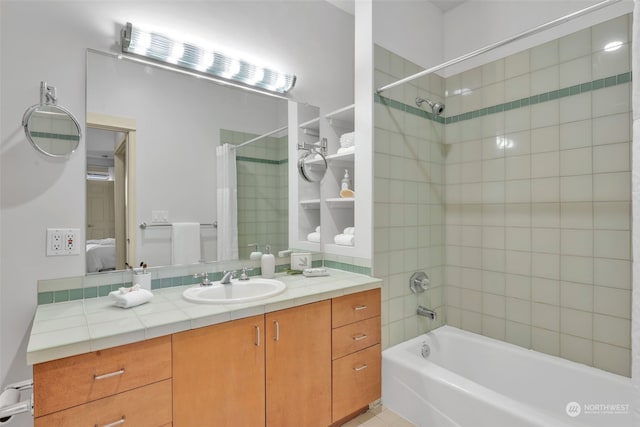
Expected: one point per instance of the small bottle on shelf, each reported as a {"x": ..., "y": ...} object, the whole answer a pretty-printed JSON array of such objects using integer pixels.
[{"x": 346, "y": 181}]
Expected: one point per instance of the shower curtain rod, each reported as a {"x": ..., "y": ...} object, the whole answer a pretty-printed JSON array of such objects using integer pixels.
[
  {"x": 257, "y": 138},
  {"x": 496, "y": 45}
]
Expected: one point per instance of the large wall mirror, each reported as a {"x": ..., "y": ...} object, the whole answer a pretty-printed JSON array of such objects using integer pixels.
[{"x": 178, "y": 121}]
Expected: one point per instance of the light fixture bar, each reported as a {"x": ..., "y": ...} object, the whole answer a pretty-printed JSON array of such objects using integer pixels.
[{"x": 163, "y": 49}]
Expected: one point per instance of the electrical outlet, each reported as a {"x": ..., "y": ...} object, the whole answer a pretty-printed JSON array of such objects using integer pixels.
[
  {"x": 159, "y": 216},
  {"x": 63, "y": 241}
]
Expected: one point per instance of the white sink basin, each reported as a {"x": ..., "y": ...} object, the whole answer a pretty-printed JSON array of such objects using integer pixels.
[{"x": 238, "y": 291}]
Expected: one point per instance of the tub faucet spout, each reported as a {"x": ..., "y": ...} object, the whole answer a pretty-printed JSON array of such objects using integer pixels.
[{"x": 423, "y": 311}]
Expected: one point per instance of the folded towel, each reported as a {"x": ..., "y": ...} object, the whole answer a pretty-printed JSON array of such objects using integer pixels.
[
  {"x": 344, "y": 239},
  {"x": 349, "y": 230},
  {"x": 317, "y": 229},
  {"x": 345, "y": 150},
  {"x": 130, "y": 297},
  {"x": 314, "y": 237},
  {"x": 347, "y": 139}
]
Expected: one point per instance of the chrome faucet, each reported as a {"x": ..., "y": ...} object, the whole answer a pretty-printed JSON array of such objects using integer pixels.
[
  {"x": 244, "y": 276},
  {"x": 205, "y": 279},
  {"x": 227, "y": 276},
  {"x": 430, "y": 314}
]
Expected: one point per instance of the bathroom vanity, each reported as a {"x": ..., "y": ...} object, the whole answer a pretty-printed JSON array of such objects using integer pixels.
[{"x": 310, "y": 356}]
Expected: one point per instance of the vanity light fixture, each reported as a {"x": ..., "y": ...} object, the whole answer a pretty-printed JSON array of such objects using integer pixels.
[{"x": 163, "y": 49}]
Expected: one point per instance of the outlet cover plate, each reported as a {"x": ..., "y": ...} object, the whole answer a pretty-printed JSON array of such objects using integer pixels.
[{"x": 63, "y": 241}]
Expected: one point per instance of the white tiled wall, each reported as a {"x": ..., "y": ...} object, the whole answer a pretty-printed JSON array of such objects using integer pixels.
[
  {"x": 408, "y": 202},
  {"x": 539, "y": 201},
  {"x": 536, "y": 228}
]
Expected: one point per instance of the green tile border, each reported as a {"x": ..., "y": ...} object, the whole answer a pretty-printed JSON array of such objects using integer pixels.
[
  {"x": 55, "y": 136},
  {"x": 511, "y": 105},
  {"x": 263, "y": 161},
  {"x": 50, "y": 297}
]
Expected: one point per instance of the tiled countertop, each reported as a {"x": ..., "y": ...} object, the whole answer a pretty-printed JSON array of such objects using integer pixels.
[{"x": 76, "y": 327}]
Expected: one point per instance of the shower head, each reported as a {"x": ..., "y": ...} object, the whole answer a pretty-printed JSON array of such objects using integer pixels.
[{"x": 437, "y": 108}]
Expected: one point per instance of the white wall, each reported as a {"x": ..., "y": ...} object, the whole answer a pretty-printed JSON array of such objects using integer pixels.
[
  {"x": 411, "y": 29},
  {"x": 47, "y": 41}
]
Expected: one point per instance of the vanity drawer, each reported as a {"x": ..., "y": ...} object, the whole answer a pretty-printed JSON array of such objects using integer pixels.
[
  {"x": 148, "y": 406},
  {"x": 355, "y": 336},
  {"x": 356, "y": 381},
  {"x": 63, "y": 383},
  {"x": 355, "y": 307}
]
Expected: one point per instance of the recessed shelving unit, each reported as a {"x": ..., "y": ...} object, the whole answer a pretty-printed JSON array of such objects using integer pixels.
[
  {"x": 310, "y": 204},
  {"x": 340, "y": 203}
]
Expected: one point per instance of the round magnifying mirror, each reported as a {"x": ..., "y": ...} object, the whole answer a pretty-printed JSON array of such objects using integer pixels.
[
  {"x": 312, "y": 166},
  {"x": 51, "y": 129}
]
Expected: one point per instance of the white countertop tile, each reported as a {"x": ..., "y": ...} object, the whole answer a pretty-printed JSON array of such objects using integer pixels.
[{"x": 76, "y": 327}]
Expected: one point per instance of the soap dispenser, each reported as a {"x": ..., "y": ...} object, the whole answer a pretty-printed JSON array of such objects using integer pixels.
[
  {"x": 268, "y": 263},
  {"x": 255, "y": 253},
  {"x": 345, "y": 184}
]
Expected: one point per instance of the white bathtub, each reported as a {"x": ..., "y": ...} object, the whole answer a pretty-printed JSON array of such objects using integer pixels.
[{"x": 472, "y": 381}]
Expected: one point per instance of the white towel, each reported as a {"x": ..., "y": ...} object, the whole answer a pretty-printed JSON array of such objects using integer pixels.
[
  {"x": 130, "y": 297},
  {"x": 317, "y": 229},
  {"x": 345, "y": 150},
  {"x": 185, "y": 243},
  {"x": 344, "y": 239},
  {"x": 347, "y": 139},
  {"x": 349, "y": 230},
  {"x": 314, "y": 237}
]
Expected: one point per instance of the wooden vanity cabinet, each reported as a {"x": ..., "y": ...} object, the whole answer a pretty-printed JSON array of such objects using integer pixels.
[
  {"x": 219, "y": 375},
  {"x": 310, "y": 366},
  {"x": 357, "y": 357},
  {"x": 219, "y": 371},
  {"x": 99, "y": 388},
  {"x": 299, "y": 366}
]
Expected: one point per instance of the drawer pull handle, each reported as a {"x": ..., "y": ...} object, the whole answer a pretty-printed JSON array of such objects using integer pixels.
[
  {"x": 360, "y": 307},
  {"x": 360, "y": 368},
  {"x": 360, "y": 337},
  {"x": 257, "y": 336},
  {"x": 277, "y": 336},
  {"x": 109, "y": 375},
  {"x": 115, "y": 423}
]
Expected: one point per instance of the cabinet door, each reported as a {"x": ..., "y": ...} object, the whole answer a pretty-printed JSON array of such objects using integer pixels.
[
  {"x": 299, "y": 366},
  {"x": 218, "y": 375}
]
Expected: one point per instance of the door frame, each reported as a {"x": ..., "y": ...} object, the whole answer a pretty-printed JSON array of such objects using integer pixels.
[{"x": 125, "y": 204}]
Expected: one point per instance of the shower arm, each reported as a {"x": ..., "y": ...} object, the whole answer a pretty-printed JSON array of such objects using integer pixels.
[{"x": 501, "y": 43}]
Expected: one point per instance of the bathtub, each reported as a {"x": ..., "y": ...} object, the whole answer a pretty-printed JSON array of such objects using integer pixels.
[{"x": 469, "y": 380}]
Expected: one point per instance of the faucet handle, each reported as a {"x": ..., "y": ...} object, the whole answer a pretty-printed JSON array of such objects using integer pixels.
[
  {"x": 244, "y": 275},
  {"x": 205, "y": 278}
]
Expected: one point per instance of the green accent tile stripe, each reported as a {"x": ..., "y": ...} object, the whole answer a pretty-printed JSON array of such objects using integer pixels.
[
  {"x": 258, "y": 160},
  {"x": 348, "y": 267},
  {"x": 55, "y": 136},
  {"x": 49, "y": 297},
  {"x": 511, "y": 105}
]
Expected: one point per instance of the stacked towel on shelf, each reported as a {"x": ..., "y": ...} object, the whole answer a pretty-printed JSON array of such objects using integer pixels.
[
  {"x": 315, "y": 236},
  {"x": 348, "y": 140},
  {"x": 130, "y": 297},
  {"x": 347, "y": 238}
]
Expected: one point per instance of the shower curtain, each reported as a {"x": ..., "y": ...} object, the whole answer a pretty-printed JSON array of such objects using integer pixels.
[{"x": 227, "y": 202}]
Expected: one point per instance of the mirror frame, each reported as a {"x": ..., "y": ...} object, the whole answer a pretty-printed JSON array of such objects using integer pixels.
[{"x": 26, "y": 120}]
